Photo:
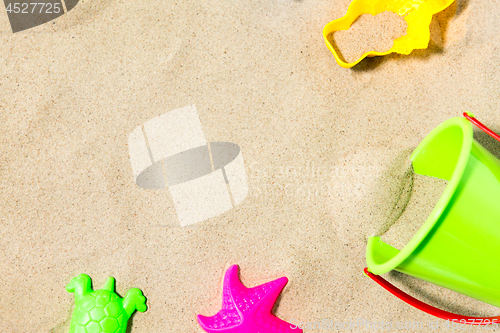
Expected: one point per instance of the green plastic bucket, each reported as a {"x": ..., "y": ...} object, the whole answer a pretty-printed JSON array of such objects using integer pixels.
[{"x": 458, "y": 246}]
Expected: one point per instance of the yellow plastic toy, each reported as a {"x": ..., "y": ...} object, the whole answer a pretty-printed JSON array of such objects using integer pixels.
[{"x": 417, "y": 14}]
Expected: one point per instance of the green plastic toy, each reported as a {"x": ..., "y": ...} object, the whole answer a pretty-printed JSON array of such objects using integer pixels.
[{"x": 102, "y": 311}]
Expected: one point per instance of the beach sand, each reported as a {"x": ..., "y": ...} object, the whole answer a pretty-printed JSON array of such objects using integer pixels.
[
  {"x": 318, "y": 141},
  {"x": 418, "y": 197},
  {"x": 368, "y": 33}
]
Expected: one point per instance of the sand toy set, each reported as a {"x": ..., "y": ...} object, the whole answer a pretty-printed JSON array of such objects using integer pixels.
[
  {"x": 456, "y": 247},
  {"x": 458, "y": 244},
  {"x": 244, "y": 310}
]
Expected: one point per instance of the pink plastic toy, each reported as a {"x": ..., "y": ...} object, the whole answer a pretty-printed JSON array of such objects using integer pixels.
[{"x": 247, "y": 310}]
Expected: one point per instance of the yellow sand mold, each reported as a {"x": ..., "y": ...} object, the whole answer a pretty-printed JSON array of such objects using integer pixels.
[{"x": 417, "y": 14}]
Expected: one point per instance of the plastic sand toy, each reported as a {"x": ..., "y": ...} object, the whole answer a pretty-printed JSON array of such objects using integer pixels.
[
  {"x": 417, "y": 14},
  {"x": 247, "y": 310},
  {"x": 102, "y": 311},
  {"x": 457, "y": 246}
]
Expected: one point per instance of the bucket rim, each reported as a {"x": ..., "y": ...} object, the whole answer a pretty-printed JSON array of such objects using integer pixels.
[{"x": 439, "y": 208}]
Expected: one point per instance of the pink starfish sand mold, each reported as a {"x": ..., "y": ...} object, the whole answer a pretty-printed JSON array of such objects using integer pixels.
[{"x": 247, "y": 310}]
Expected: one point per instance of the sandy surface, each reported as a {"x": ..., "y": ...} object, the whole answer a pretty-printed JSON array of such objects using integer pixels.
[
  {"x": 316, "y": 139},
  {"x": 415, "y": 201},
  {"x": 368, "y": 33}
]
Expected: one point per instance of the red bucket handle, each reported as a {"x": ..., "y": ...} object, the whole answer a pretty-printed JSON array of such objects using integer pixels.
[
  {"x": 479, "y": 124},
  {"x": 459, "y": 319},
  {"x": 429, "y": 308}
]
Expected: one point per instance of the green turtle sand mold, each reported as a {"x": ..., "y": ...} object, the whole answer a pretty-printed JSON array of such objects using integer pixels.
[{"x": 102, "y": 311}]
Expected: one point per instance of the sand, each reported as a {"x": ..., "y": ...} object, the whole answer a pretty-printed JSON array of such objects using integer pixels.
[
  {"x": 404, "y": 200},
  {"x": 419, "y": 195},
  {"x": 368, "y": 33},
  {"x": 317, "y": 141}
]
